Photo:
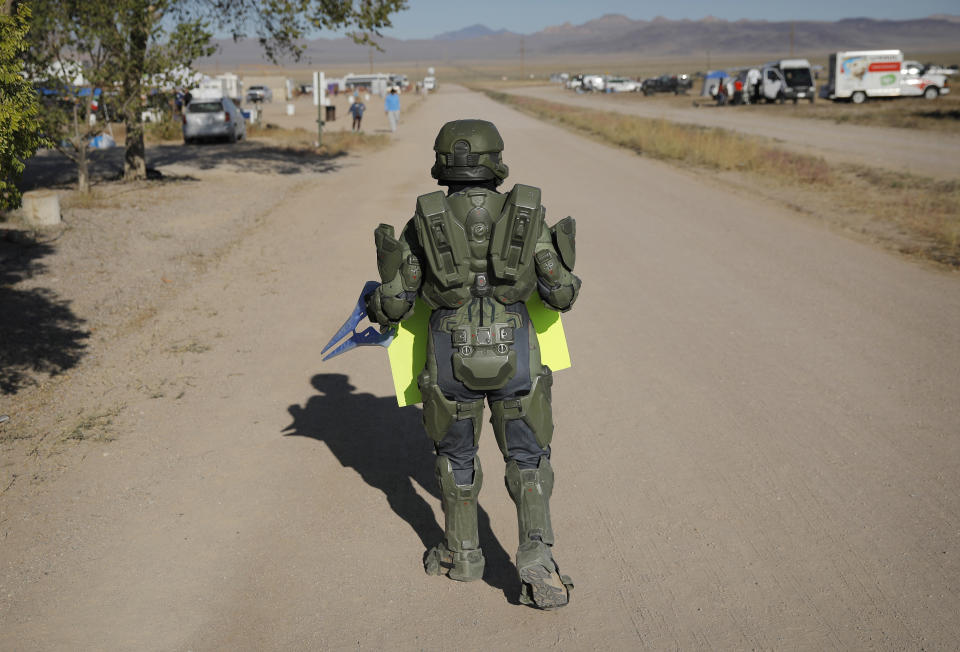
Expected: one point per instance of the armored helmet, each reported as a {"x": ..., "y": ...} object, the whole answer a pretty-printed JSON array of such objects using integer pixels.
[{"x": 469, "y": 150}]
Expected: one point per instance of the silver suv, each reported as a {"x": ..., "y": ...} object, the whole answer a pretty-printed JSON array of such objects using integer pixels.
[{"x": 216, "y": 118}]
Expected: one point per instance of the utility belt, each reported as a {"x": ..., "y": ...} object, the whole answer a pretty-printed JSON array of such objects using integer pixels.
[
  {"x": 477, "y": 340},
  {"x": 484, "y": 357}
]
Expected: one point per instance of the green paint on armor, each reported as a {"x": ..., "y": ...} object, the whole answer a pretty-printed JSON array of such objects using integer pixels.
[
  {"x": 459, "y": 553},
  {"x": 389, "y": 252},
  {"x": 541, "y": 583},
  {"x": 469, "y": 150},
  {"x": 564, "y": 238},
  {"x": 534, "y": 408},
  {"x": 515, "y": 233}
]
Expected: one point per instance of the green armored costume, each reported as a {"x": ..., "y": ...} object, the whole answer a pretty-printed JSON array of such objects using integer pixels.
[{"x": 475, "y": 255}]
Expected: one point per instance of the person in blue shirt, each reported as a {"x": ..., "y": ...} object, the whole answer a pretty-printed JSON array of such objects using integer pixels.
[
  {"x": 356, "y": 110},
  {"x": 391, "y": 104}
]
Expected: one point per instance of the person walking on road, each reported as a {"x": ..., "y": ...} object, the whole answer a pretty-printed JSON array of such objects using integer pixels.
[
  {"x": 475, "y": 256},
  {"x": 391, "y": 104},
  {"x": 356, "y": 110}
]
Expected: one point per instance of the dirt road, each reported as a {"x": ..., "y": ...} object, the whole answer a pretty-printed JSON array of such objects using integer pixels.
[
  {"x": 901, "y": 150},
  {"x": 757, "y": 445}
]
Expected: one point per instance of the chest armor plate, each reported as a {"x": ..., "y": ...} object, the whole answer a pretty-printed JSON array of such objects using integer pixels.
[{"x": 479, "y": 232}]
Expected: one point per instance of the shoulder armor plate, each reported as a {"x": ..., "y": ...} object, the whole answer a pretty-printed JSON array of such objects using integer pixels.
[
  {"x": 515, "y": 233},
  {"x": 444, "y": 240},
  {"x": 565, "y": 240},
  {"x": 389, "y": 252}
]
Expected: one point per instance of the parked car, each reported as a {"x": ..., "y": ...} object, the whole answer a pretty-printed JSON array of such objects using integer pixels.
[
  {"x": 622, "y": 85},
  {"x": 675, "y": 84},
  {"x": 259, "y": 94},
  {"x": 213, "y": 118},
  {"x": 429, "y": 83}
]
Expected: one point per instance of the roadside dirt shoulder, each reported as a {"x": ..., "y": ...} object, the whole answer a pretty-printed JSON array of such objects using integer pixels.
[{"x": 74, "y": 295}]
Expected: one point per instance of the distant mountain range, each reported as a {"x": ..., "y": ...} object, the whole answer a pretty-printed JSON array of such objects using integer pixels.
[
  {"x": 474, "y": 31},
  {"x": 615, "y": 34}
]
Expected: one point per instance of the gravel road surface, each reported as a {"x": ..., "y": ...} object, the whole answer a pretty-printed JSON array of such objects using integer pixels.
[
  {"x": 920, "y": 152},
  {"x": 756, "y": 447}
]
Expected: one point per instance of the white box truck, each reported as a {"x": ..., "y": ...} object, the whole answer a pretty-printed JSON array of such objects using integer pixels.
[
  {"x": 861, "y": 74},
  {"x": 857, "y": 75}
]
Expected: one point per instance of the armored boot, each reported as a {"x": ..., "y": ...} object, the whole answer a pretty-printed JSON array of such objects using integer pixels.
[
  {"x": 459, "y": 553},
  {"x": 542, "y": 585}
]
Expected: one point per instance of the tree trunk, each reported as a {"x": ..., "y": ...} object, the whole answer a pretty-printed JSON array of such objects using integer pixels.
[
  {"x": 134, "y": 156},
  {"x": 83, "y": 173},
  {"x": 80, "y": 146}
]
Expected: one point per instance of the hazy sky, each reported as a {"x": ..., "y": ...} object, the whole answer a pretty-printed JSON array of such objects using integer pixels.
[{"x": 427, "y": 18}]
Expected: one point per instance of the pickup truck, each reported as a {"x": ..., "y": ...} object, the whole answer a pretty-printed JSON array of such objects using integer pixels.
[{"x": 675, "y": 84}]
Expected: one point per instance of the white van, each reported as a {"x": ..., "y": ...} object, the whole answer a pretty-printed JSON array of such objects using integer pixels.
[{"x": 788, "y": 79}]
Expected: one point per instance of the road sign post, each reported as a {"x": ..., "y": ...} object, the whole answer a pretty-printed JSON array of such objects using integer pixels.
[{"x": 319, "y": 100}]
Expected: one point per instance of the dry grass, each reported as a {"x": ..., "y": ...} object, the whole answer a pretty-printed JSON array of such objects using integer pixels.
[
  {"x": 189, "y": 346},
  {"x": 941, "y": 114},
  {"x": 923, "y": 213},
  {"x": 334, "y": 142},
  {"x": 718, "y": 149},
  {"x": 162, "y": 132},
  {"x": 75, "y": 199},
  {"x": 94, "y": 426}
]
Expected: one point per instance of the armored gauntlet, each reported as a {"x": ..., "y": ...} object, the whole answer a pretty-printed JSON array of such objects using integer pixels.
[{"x": 400, "y": 276}]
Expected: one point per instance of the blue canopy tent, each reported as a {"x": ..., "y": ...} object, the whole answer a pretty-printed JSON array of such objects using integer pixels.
[
  {"x": 711, "y": 80},
  {"x": 82, "y": 91}
]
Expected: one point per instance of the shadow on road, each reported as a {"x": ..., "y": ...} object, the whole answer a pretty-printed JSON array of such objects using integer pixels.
[
  {"x": 51, "y": 169},
  {"x": 38, "y": 332},
  {"x": 386, "y": 445}
]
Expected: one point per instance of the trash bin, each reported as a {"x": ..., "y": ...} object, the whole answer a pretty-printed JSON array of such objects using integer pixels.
[{"x": 331, "y": 113}]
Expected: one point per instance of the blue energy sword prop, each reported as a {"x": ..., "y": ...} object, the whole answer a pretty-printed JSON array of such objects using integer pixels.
[{"x": 368, "y": 337}]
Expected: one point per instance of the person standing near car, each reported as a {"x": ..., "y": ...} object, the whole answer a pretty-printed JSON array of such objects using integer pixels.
[
  {"x": 356, "y": 110},
  {"x": 391, "y": 104}
]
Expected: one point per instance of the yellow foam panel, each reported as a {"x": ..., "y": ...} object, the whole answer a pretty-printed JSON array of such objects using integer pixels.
[{"x": 408, "y": 351}]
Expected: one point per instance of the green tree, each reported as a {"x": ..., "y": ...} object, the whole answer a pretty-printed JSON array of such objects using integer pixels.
[
  {"x": 20, "y": 129},
  {"x": 126, "y": 48},
  {"x": 155, "y": 36},
  {"x": 140, "y": 40},
  {"x": 67, "y": 62}
]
